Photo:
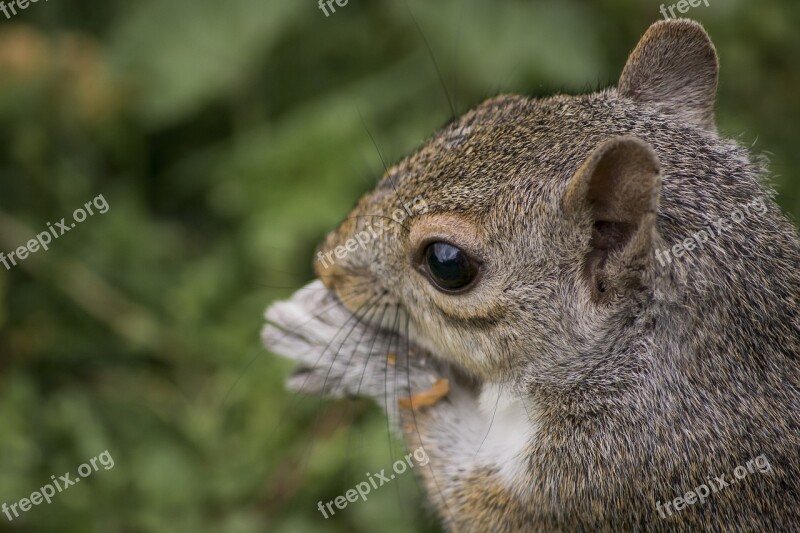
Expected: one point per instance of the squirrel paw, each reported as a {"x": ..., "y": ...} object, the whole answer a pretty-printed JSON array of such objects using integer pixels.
[{"x": 339, "y": 355}]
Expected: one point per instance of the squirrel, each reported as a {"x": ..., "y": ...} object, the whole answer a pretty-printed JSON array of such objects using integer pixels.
[{"x": 590, "y": 385}]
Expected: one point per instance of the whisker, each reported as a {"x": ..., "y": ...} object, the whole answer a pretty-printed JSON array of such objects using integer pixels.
[
  {"x": 298, "y": 398},
  {"x": 388, "y": 174},
  {"x": 381, "y": 216},
  {"x": 455, "y": 53},
  {"x": 260, "y": 353},
  {"x": 491, "y": 422},
  {"x": 358, "y": 318},
  {"x": 422, "y": 445},
  {"x": 433, "y": 60},
  {"x": 323, "y": 289},
  {"x": 371, "y": 348},
  {"x": 394, "y": 404},
  {"x": 366, "y": 332},
  {"x": 522, "y": 400}
]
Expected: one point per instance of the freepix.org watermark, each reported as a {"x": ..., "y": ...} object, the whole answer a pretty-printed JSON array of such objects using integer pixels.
[
  {"x": 683, "y": 7},
  {"x": 715, "y": 484},
  {"x": 712, "y": 231},
  {"x": 415, "y": 207},
  {"x": 380, "y": 479},
  {"x": 329, "y": 3},
  {"x": 46, "y": 493},
  {"x": 13, "y": 5},
  {"x": 43, "y": 239}
]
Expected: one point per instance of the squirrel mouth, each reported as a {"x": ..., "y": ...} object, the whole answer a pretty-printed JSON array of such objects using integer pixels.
[{"x": 340, "y": 353}]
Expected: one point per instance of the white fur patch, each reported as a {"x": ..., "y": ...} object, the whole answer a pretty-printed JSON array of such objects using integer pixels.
[{"x": 510, "y": 426}]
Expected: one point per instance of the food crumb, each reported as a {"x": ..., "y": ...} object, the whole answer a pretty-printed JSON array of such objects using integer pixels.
[{"x": 427, "y": 398}]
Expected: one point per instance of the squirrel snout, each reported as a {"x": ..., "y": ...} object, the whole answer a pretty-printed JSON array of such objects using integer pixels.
[{"x": 350, "y": 284}]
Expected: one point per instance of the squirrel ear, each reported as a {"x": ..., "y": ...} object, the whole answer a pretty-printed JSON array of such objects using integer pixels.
[
  {"x": 618, "y": 187},
  {"x": 675, "y": 68}
]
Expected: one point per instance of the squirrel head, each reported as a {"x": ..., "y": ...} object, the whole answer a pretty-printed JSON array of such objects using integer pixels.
[{"x": 527, "y": 225}]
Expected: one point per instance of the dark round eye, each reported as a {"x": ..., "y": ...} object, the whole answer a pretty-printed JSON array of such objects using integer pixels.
[{"x": 449, "y": 267}]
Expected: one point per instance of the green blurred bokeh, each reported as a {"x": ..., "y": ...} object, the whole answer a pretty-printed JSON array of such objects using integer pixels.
[{"x": 227, "y": 139}]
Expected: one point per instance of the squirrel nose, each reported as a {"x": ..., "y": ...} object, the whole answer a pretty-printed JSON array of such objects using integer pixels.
[
  {"x": 328, "y": 272},
  {"x": 351, "y": 285},
  {"x": 328, "y": 265}
]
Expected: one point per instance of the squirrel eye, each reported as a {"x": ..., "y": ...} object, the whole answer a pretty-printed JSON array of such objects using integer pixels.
[{"x": 448, "y": 267}]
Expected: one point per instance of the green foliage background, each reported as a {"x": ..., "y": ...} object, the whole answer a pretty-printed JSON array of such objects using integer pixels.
[{"x": 227, "y": 138}]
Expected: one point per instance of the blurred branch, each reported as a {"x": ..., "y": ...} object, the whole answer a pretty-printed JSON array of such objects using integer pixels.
[{"x": 85, "y": 288}]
